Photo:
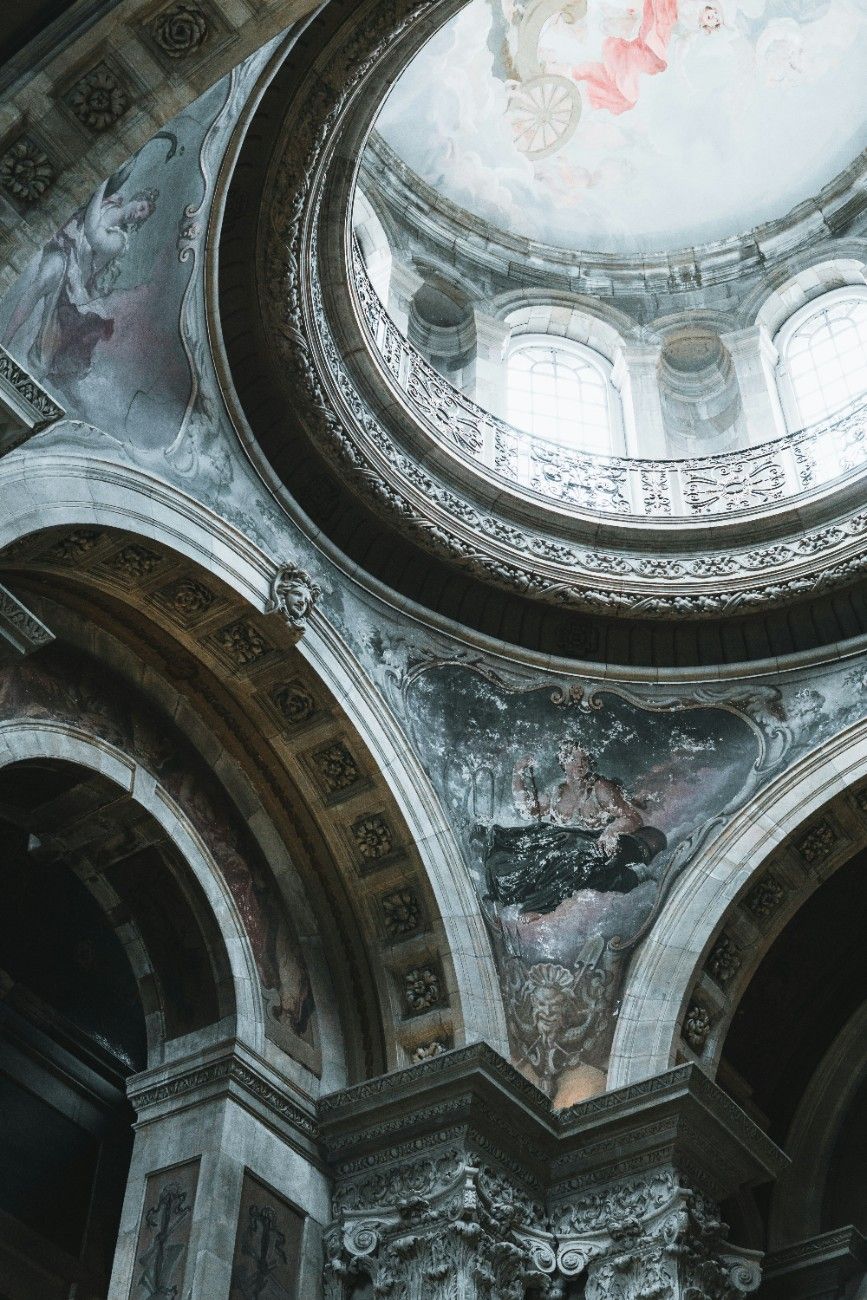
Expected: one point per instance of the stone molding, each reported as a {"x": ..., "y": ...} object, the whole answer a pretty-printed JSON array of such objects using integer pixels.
[
  {"x": 228, "y": 1071},
  {"x": 312, "y": 325},
  {"x": 458, "y": 1171},
  {"x": 25, "y": 407},
  {"x": 752, "y": 868},
  {"x": 488, "y": 250},
  {"x": 818, "y": 1268},
  {"x": 21, "y": 632}
]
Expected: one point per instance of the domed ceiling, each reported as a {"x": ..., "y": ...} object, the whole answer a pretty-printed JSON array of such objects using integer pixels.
[{"x": 614, "y": 127}]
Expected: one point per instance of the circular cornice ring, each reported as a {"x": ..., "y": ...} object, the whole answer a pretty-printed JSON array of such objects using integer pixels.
[{"x": 321, "y": 362}]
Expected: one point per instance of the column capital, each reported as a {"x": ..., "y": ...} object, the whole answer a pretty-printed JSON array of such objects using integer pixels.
[
  {"x": 226, "y": 1072},
  {"x": 458, "y": 1176}
]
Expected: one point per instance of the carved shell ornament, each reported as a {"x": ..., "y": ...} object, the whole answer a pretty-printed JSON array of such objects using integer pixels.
[{"x": 606, "y": 562}]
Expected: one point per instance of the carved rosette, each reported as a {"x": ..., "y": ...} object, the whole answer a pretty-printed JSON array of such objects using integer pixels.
[
  {"x": 652, "y": 1238},
  {"x": 436, "y": 1229}
]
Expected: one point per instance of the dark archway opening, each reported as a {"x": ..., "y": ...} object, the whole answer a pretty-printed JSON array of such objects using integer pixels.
[
  {"x": 102, "y": 961},
  {"x": 811, "y": 981}
]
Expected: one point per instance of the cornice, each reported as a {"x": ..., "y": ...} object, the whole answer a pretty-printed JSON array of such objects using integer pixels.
[
  {"x": 482, "y": 248},
  {"x": 231, "y": 1071}
]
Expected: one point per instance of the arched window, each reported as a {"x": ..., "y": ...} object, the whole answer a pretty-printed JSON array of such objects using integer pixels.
[
  {"x": 823, "y": 357},
  {"x": 562, "y": 392}
]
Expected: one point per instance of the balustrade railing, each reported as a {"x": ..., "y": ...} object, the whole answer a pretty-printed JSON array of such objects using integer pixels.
[{"x": 752, "y": 479}]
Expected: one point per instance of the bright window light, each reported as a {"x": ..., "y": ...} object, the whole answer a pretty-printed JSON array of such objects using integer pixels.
[
  {"x": 554, "y": 393},
  {"x": 826, "y": 359}
]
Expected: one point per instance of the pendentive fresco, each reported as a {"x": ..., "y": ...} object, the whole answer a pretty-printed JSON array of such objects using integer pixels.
[{"x": 578, "y": 804}]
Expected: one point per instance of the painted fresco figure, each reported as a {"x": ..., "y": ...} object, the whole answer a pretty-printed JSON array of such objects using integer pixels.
[
  {"x": 586, "y": 834},
  {"x": 78, "y": 267}
]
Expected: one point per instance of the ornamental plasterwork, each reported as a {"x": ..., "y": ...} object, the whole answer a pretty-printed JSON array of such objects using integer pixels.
[{"x": 418, "y": 495}]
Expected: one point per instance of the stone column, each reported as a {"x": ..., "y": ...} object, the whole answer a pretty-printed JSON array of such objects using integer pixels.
[
  {"x": 635, "y": 1207},
  {"x": 642, "y": 406},
  {"x": 457, "y": 1179},
  {"x": 754, "y": 358},
  {"x": 223, "y": 1181}
]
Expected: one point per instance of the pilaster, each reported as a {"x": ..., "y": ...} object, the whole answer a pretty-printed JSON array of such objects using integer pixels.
[
  {"x": 754, "y": 359},
  {"x": 642, "y": 404},
  {"x": 487, "y": 385},
  {"x": 225, "y": 1178}
]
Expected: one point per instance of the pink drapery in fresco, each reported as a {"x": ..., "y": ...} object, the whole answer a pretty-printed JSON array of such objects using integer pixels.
[{"x": 613, "y": 83}]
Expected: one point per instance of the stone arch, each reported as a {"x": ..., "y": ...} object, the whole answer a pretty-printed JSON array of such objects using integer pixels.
[
  {"x": 102, "y": 495},
  {"x": 24, "y": 739},
  {"x": 796, "y": 1203},
  {"x": 753, "y": 877},
  {"x": 773, "y": 304},
  {"x": 596, "y": 326}
]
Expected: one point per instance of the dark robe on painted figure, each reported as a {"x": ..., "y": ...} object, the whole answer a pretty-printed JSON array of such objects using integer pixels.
[{"x": 537, "y": 867}]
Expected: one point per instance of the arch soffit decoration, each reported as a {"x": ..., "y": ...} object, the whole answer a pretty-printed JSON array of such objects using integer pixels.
[
  {"x": 730, "y": 905},
  {"x": 420, "y": 856},
  {"x": 498, "y": 543}
]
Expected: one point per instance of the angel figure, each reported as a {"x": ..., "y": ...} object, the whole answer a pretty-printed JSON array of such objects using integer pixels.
[{"x": 77, "y": 270}]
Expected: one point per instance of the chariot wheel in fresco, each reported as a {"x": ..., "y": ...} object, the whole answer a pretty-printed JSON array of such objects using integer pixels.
[{"x": 544, "y": 112}]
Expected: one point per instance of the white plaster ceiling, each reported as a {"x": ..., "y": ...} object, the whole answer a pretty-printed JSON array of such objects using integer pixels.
[{"x": 669, "y": 122}]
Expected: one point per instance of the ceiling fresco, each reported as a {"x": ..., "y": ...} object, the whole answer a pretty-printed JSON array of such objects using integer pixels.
[{"x": 605, "y": 125}]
